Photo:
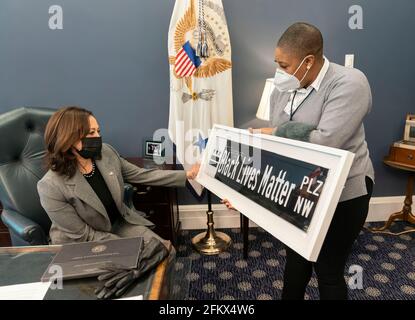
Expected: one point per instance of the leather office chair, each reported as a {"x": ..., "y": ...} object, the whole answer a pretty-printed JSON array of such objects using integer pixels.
[{"x": 22, "y": 151}]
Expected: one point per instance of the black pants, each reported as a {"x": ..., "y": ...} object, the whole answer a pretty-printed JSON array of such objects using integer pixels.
[{"x": 348, "y": 220}]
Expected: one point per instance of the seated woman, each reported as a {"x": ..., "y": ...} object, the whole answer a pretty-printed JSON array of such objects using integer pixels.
[{"x": 83, "y": 190}]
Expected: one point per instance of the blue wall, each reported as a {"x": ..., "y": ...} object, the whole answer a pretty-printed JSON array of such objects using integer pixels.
[{"x": 111, "y": 57}]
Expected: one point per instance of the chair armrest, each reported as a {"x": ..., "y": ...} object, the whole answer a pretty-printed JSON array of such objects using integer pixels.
[
  {"x": 129, "y": 192},
  {"x": 23, "y": 228}
]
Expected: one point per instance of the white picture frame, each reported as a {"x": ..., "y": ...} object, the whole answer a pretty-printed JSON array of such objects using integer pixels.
[
  {"x": 409, "y": 134},
  {"x": 338, "y": 162}
]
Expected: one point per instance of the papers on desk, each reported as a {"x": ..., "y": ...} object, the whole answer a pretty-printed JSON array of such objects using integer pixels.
[
  {"x": 88, "y": 259},
  {"x": 26, "y": 291}
]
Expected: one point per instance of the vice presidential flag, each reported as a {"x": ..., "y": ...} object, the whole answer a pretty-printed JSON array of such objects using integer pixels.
[{"x": 200, "y": 76}]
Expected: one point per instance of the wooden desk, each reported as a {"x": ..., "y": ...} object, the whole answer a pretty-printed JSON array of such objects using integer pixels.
[
  {"x": 406, "y": 213},
  {"x": 155, "y": 286}
]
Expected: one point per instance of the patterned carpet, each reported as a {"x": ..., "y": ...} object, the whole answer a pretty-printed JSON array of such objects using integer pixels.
[{"x": 388, "y": 264}]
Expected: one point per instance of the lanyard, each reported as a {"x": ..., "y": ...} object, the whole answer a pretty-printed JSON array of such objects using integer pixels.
[{"x": 292, "y": 103}]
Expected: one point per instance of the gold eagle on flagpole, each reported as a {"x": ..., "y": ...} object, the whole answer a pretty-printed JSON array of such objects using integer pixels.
[{"x": 210, "y": 66}]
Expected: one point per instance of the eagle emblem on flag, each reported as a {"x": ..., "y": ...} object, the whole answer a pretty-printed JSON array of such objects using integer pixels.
[{"x": 186, "y": 31}]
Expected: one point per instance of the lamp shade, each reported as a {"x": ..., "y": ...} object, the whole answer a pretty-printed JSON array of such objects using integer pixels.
[{"x": 264, "y": 105}]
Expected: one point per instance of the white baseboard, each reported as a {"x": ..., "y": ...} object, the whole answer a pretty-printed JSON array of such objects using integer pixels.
[{"x": 194, "y": 216}]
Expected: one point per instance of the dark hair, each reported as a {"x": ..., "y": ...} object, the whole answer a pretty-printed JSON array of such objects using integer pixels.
[
  {"x": 302, "y": 39},
  {"x": 67, "y": 126}
]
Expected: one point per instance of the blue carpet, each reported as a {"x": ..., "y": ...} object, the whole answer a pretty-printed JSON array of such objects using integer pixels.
[{"x": 388, "y": 264}]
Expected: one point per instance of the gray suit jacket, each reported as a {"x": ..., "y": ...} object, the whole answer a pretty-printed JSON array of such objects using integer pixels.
[{"x": 75, "y": 210}]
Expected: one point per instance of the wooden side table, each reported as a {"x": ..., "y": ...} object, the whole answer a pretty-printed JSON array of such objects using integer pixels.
[{"x": 406, "y": 213}]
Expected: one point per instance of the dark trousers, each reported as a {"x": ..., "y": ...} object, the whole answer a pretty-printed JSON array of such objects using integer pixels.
[{"x": 348, "y": 220}]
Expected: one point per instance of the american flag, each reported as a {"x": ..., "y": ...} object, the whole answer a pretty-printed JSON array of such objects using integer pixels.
[{"x": 186, "y": 61}]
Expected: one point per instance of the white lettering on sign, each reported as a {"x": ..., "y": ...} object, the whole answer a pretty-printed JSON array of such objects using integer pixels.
[{"x": 303, "y": 206}]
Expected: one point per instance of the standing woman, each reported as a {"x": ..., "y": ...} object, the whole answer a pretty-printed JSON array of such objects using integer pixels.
[
  {"x": 83, "y": 190},
  {"x": 323, "y": 103}
]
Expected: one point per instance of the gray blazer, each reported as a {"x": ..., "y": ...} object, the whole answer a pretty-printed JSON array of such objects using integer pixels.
[{"x": 76, "y": 212}]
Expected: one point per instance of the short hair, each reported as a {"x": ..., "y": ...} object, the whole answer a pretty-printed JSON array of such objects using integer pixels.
[
  {"x": 302, "y": 39},
  {"x": 65, "y": 127}
]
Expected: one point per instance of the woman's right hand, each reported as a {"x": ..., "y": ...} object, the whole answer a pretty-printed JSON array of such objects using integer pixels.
[
  {"x": 227, "y": 204},
  {"x": 192, "y": 173}
]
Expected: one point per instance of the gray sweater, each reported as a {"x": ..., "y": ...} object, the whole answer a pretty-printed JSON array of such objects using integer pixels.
[{"x": 333, "y": 116}]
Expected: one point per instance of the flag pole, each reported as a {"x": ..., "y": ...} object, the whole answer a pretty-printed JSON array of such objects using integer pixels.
[{"x": 211, "y": 242}]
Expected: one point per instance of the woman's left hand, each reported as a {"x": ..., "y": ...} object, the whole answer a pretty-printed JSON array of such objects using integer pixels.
[{"x": 192, "y": 173}]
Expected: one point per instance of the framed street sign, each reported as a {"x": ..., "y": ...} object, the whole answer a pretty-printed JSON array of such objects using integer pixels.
[{"x": 289, "y": 188}]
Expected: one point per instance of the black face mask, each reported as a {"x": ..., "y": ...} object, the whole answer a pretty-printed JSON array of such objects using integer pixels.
[{"x": 91, "y": 148}]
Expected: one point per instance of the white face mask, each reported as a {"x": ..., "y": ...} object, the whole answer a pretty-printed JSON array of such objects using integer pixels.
[{"x": 284, "y": 81}]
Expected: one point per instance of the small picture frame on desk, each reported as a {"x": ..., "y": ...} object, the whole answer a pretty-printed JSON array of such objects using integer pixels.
[
  {"x": 409, "y": 135},
  {"x": 154, "y": 150}
]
